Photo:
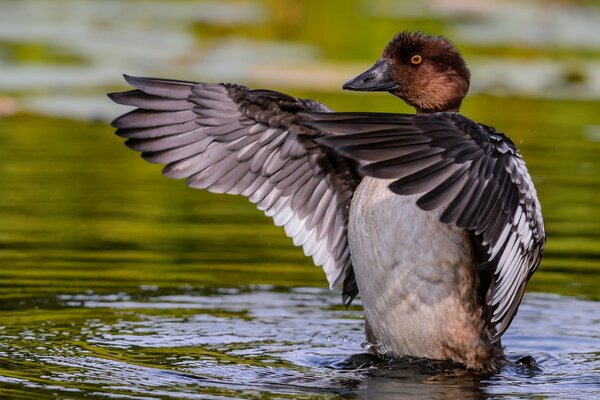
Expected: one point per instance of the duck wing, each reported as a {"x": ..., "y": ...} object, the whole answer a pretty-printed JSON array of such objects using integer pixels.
[
  {"x": 471, "y": 171},
  {"x": 227, "y": 138}
]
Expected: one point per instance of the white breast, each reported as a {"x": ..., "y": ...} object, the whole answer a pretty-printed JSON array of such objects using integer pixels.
[{"x": 415, "y": 275}]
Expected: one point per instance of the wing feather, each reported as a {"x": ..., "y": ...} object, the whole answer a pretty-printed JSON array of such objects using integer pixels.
[
  {"x": 229, "y": 139},
  {"x": 471, "y": 171}
]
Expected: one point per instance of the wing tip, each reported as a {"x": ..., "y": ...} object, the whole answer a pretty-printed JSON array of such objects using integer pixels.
[
  {"x": 119, "y": 97},
  {"x": 348, "y": 298},
  {"x": 120, "y": 123},
  {"x": 135, "y": 81}
]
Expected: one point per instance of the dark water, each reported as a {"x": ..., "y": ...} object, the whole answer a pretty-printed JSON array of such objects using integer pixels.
[{"x": 118, "y": 283}]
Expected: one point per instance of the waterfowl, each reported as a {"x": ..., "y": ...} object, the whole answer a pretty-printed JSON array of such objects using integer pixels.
[{"x": 432, "y": 217}]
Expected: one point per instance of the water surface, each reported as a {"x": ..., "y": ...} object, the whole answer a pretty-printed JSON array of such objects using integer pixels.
[
  {"x": 118, "y": 283},
  {"x": 264, "y": 341}
]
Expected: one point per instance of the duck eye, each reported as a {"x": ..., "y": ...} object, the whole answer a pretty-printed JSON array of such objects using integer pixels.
[{"x": 416, "y": 59}]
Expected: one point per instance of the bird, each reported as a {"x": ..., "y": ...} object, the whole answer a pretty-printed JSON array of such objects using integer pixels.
[{"x": 431, "y": 217}]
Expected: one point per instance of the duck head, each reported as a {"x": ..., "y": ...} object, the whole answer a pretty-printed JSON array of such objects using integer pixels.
[{"x": 425, "y": 71}]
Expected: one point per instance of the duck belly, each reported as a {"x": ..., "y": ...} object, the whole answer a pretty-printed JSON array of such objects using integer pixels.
[{"x": 416, "y": 278}]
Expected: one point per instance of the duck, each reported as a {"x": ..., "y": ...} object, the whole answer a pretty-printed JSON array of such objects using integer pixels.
[{"x": 431, "y": 217}]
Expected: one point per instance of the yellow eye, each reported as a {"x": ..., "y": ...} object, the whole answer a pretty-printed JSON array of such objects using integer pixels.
[{"x": 416, "y": 59}]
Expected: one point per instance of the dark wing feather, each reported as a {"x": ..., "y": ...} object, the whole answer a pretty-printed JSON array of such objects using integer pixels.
[
  {"x": 228, "y": 139},
  {"x": 471, "y": 171}
]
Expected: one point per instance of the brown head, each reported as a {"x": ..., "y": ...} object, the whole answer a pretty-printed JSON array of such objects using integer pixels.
[{"x": 425, "y": 71}]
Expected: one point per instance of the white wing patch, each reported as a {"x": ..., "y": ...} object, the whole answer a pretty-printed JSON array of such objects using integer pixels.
[{"x": 517, "y": 254}]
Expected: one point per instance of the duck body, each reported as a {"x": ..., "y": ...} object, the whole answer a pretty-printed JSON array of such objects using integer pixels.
[
  {"x": 431, "y": 217},
  {"x": 417, "y": 278}
]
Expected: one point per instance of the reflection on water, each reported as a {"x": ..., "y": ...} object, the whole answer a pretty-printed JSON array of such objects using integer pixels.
[{"x": 116, "y": 282}]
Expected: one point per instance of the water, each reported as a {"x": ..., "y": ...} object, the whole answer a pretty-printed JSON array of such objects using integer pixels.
[
  {"x": 264, "y": 341},
  {"x": 118, "y": 283}
]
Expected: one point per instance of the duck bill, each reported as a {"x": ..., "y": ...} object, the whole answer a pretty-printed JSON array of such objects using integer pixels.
[{"x": 378, "y": 78}]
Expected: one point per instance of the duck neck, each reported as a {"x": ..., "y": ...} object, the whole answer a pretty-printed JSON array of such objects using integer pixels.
[{"x": 433, "y": 111}]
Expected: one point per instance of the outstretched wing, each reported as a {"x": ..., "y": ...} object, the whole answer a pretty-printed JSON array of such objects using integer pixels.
[
  {"x": 472, "y": 171},
  {"x": 229, "y": 139}
]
